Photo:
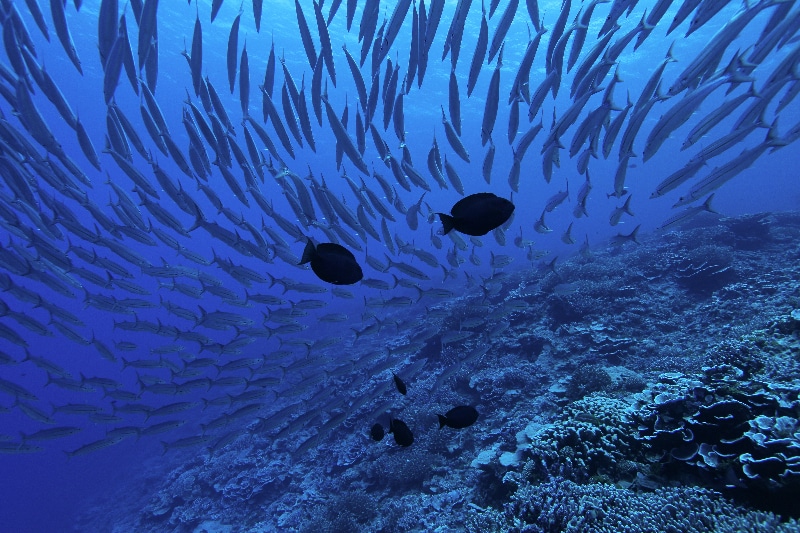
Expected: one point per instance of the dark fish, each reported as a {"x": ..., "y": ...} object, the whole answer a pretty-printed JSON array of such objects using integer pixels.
[
  {"x": 401, "y": 387},
  {"x": 332, "y": 263},
  {"x": 402, "y": 435},
  {"x": 477, "y": 214},
  {"x": 376, "y": 432},
  {"x": 458, "y": 417}
]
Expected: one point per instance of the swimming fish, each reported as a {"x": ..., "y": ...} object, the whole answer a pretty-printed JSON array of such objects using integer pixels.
[
  {"x": 402, "y": 435},
  {"x": 401, "y": 387},
  {"x": 376, "y": 432},
  {"x": 477, "y": 214},
  {"x": 332, "y": 262},
  {"x": 458, "y": 417}
]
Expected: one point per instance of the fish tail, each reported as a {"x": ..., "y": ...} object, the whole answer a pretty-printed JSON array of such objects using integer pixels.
[
  {"x": 707, "y": 204},
  {"x": 442, "y": 421},
  {"x": 448, "y": 222},
  {"x": 635, "y": 233},
  {"x": 627, "y": 206},
  {"x": 308, "y": 253},
  {"x": 199, "y": 220}
]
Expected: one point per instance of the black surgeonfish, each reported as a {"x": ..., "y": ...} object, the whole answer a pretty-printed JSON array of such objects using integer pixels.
[
  {"x": 458, "y": 417},
  {"x": 477, "y": 214},
  {"x": 332, "y": 263},
  {"x": 376, "y": 432},
  {"x": 401, "y": 387},
  {"x": 402, "y": 435}
]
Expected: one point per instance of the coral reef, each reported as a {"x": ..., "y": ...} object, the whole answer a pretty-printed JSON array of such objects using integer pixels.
[
  {"x": 734, "y": 427},
  {"x": 613, "y": 396},
  {"x": 591, "y": 439},
  {"x": 562, "y": 506}
]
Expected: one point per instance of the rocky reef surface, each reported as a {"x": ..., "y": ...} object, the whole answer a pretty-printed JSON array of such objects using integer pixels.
[{"x": 638, "y": 388}]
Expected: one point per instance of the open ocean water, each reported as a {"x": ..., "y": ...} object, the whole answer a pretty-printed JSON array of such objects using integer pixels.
[{"x": 629, "y": 343}]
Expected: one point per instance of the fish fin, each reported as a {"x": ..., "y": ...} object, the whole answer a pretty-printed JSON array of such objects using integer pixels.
[
  {"x": 707, "y": 204},
  {"x": 627, "y": 205},
  {"x": 308, "y": 253},
  {"x": 635, "y": 233},
  {"x": 448, "y": 222}
]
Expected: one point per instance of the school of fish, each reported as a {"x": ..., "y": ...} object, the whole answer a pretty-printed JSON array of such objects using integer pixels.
[{"x": 198, "y": 200}]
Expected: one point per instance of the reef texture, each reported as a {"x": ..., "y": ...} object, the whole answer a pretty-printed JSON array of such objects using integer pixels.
[{"x": 647, "y": 388}]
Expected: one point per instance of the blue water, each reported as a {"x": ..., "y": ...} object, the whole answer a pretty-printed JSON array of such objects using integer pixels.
[{"x": 41, "y": 491}]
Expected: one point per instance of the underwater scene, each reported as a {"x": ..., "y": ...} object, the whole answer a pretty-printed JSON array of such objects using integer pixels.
[{"x": 409, "y": 266}]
